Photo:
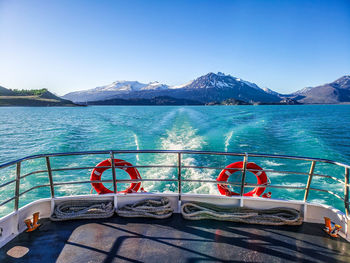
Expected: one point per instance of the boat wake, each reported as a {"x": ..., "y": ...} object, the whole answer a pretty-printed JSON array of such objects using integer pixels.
[{"x": 182, "y": 136}]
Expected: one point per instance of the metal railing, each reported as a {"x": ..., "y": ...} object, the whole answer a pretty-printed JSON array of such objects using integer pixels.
[{"x": 179, "y": 166}]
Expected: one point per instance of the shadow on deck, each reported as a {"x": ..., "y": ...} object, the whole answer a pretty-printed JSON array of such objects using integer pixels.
[{"x": 175, "y": 240}]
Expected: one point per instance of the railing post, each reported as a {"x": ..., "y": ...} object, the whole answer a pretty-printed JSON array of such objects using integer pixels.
[
  {"x": 346, "y": 196},
  {"x": 311, "y": 172},
  {"x": 245, "y": 160},
  {"x": 18, "y": 178},
  {"x": 49, "y": 172},
  {"x": 179, "y": 173},
  {"x": 113, "y": 172}
]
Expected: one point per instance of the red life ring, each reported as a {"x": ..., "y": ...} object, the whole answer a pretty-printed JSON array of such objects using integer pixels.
[
  {"x": 97, "y": 173},
  {"x": 259, "y": 173}
]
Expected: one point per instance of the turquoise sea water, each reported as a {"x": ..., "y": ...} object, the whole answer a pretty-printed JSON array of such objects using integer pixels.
[{"x": 310, "y": 130}]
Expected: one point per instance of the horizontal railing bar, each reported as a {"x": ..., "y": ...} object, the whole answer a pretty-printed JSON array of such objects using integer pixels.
[
  {"x": 275, "y": 186},
  {"x": 9, "y": 182},
  {"x": 79, "y": 168},
  {"x": 120, "y": 166},
  {"x": 8, "y": 200},
  {"x": 211, "y": 182},
  {"x": 327, "y": 191},
  {"x": 176, "y": 151},
  {"x": 298, "y": 173},
  {"x": 240, "y": 169},
  {"x": 140, "y": 166},
  {"x": 186, "y": 166},
  {"x": 174, "y": 166},
  {"x": 299, "y": 158},
  {"x": 186, "y": 180},
  {"x": 37, "y": 156},
  {"x": 87, "y": 181},
  {"x": 34, "y": 187},
  {"x": 249, "y": 185},
  {"x": 191, "y": 167},
  {"x": 35, "y": 172},
  {"x": 330, "y": 177},
  {"x": 118, "y": 181},
  {"x": 175, "y": 180}
]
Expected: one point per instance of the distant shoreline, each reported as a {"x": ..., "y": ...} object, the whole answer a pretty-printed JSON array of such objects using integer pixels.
[{"x": 164, "y": 105}]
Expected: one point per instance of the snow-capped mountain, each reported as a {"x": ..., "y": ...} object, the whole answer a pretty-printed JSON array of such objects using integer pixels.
[
  {"x": 218, "y": 87},
  {"x": 207, "y": 88},
  {"x": 212, "y": 80},
  {"x": 335, "y": 92},
  {"x": 116, "y": 88},
  {"x": 302, "y": 91},
  {"x": 122, "y": 86},
  {"x": 155, "y": 86}
]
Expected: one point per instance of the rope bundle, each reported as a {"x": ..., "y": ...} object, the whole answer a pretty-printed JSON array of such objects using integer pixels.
[
  {"x": 159, "y": 209},
  {"x": 81, "y": 209},
  {"x": 273, "y": 216}
]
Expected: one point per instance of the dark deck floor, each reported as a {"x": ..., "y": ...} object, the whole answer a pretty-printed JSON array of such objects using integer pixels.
[{"x": 175, "y": 240}]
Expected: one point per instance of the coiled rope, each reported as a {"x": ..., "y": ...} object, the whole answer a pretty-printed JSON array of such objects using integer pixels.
[
  {"x": 273, "y": 216},
  {"x": 82, "y": 209},
  {"x": 152, "y": 208}
]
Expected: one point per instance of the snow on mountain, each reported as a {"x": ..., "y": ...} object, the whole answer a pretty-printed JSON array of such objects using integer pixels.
[
  {"x": 343, "y": 82},
  {"x": 302, "y": 91},
  {"x": 155, "y": 86},
  {"x": 181, "y": 86},
  {"x": 267, "y": 90},
  {"x": 121, "y": 86}
]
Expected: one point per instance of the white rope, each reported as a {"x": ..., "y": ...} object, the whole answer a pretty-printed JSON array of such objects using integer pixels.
[
  {"x": 273, "y": 216},
  {"x": 152, "y": 208},
  {"x": 82, "y": 209}
]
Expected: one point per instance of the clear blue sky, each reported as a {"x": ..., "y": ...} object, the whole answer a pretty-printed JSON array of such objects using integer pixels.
[{"x": 74, "y": 45}]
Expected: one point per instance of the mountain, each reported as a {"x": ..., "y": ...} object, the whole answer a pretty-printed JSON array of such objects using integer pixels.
[
  {"x": 219, "y": 87},
  {"x": 6, "y": 92},
  {"x": 164, "y": 100},
  {"x": 109, "y": 91},
  {"x": 208, "y": 88},
  {"x": 40, "y": 97},
  {"x": 215, "y": 89},
  {"x": 331, "y": 93}
]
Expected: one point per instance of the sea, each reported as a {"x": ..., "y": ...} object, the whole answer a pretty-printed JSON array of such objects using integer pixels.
[{"x": 319, "y": 131}]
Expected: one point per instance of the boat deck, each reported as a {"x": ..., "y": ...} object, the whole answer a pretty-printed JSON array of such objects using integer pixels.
[{"x": 119, "y": 239}]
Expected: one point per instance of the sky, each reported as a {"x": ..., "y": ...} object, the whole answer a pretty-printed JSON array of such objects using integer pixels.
[{"x": 75, "y": 45}]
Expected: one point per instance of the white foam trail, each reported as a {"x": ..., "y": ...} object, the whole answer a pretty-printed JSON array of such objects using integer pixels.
[
  {"x": 277, "y": 175},
  {"x": 293, "y": 185},
  {"x": 182, "y": 138},
  {"x": 168, "y": 117},
  {"x": 271, "y": 163},
  {"x": 137, "y": 146},
  {"x": 198, "y": 117},
  {"x": 179, "y": 138},
  {"x": 71, "y": 189},
  {"x": 228, "y": 139}
]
